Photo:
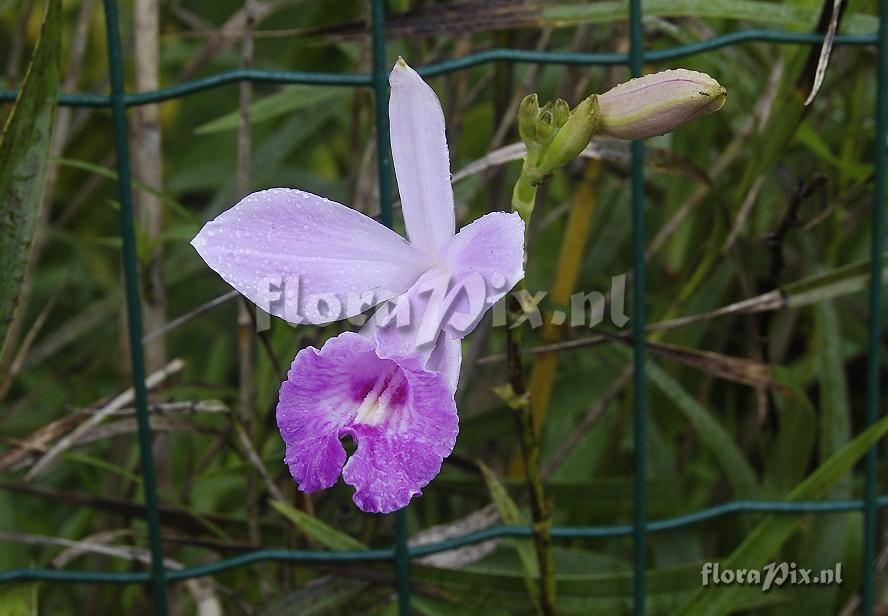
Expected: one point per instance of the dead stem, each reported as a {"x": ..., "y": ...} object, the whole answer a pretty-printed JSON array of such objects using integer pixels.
[{"x": 245, "y": 335}]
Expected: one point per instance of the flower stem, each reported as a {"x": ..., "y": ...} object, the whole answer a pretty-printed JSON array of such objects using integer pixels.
[{"x": 523, "y": 199}]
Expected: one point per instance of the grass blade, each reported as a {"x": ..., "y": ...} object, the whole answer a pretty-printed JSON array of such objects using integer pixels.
[
  {"x": 24, "y": 152},
  {"x": 320, "y": 531},
  {"x": 714, "y": 436},
  {"x": 511, "y": 515},
  {"x": 285, "y": 102},
  {"x": 766, "y": 539}
]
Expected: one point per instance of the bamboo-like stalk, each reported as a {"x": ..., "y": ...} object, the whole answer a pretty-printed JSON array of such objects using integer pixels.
[
  {"x": 573, "y": 244},
  {"x": 245, "y": 335},
  {"x": 147, "y": 160},
  {"x": 523, "y": 199},
  {"x": 147, "y": 167}
]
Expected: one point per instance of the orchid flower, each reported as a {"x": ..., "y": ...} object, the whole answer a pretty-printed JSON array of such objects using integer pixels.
[{"x": 390, "y": 388}]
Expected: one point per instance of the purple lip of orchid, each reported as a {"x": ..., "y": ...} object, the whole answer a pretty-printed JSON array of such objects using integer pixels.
[
  {"x": 401, "y": 415},
  {"x": 390, "y": 388}
]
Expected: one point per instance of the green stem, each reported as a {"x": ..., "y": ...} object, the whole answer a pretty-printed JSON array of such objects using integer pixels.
[{"x": 523, "y": 199}]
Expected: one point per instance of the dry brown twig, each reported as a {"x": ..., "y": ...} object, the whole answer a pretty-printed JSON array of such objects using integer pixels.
[
  {"x": 39, "y": 441},
  {"x": 222, "y": 39},
  {"x": 18, "y": 359},
  {"x": 191, "y": 314},
  {"x": 174, "y": 517},
  {"x": 165, "y": 408},
  {"x": 202, "y": 591},
  {"x": 256, "y": 462},
  {"x": 119, "y": 402},
  {"x": 773, "y": 300},
  {"x": 31, "y": 452}
]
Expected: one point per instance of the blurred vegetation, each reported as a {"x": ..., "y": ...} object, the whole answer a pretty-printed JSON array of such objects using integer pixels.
[{"x": 744, "y": 404}]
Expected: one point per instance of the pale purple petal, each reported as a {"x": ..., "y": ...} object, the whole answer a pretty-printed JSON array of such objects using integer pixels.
[
  {"x": 492, "y": 246},
  {"x": 422, "y": 162},
  {"x": 477, "y": 267},
  {"x": 491, "y": 250},
  {"x": 446, "y": 358},
  {"x": 409, "y": 324},
  {"x": 307, "y": 259},
  {"x": 402, "y": 417}
]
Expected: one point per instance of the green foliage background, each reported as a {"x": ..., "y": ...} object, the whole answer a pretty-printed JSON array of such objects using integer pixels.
[{"x": 741, "y": 406}]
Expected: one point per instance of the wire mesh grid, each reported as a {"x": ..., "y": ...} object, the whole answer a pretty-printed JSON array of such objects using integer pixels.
[{"x": 401, "y": 553}]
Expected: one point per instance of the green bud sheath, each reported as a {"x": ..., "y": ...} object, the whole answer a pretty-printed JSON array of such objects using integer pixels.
[
  {"x": 528, "y": 112},
  {"x": 574, "y": 136},
  {"x": 659, "y": 103},
  {"x": 545, "y": 127},
  {"x": 560, "y": 112}
]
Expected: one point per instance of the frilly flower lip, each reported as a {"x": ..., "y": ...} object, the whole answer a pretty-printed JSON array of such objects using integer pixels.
[{"x": 401, "y": 416}]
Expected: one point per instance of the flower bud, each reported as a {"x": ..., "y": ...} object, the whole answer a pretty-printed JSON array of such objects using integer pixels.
[
  {"x": 659, "y": 103},
  {"x": 560, "y": 112},
  {"x": 528, "y": 112},
  {"x": 545, "y": 127},
  {"x": 574, "y": 136}
]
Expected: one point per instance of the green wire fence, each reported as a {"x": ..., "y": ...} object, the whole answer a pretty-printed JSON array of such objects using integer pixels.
[{"x": 401, "y": 553}]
